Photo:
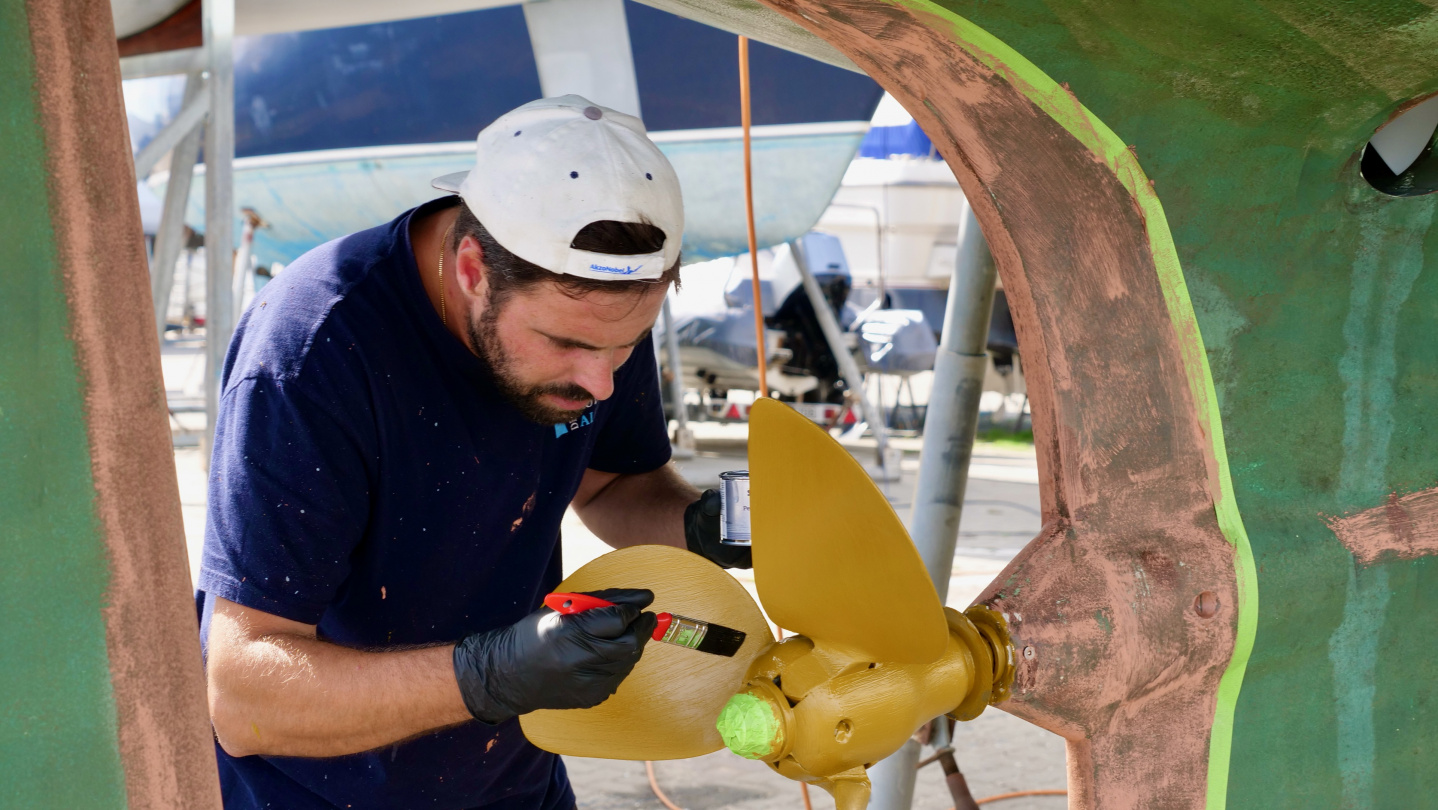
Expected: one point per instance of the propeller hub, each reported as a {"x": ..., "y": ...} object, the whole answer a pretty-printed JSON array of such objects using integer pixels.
[{"x": 814, "y": 711}]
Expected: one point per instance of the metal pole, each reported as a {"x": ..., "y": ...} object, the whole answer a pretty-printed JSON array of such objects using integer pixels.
[
  {"x": 892, "y": 778},
  {"x": 243, "y": 276},
  {"x": 683, "y": 437},
  {"x": 953, "y": 415},
  {"x": 190, "y": 116},
  {"x": 240, "y": 268},
  {"x": 171, "y": 232},
  {"x": 889, "y": 467},
  {"x": 878, "y": 240},
  {"x": 952, "y": 421},
  {"x": 219, "y": 30}
]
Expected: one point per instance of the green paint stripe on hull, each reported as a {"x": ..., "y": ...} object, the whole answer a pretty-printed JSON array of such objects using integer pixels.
[
  {"x": 1103, "y": 143},
  {"x": 59, "y": 743}
]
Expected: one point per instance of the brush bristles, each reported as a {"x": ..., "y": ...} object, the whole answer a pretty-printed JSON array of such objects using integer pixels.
[{"x": 721, "y": 640}]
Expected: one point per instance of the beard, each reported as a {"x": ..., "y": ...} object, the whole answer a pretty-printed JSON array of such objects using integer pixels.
[{"x": 527, "y": 399}]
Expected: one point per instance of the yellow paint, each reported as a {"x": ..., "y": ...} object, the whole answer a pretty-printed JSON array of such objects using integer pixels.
[
  {"x": 878, "y": 656},
  {"x": 837, "y": 714},
  {"x": 831, "y": 559},
  {"x": 850, "y": 790},
  {"x": 667, "y": 706}
]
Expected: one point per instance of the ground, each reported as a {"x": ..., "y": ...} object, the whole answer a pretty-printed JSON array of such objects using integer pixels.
[{"x": 997, "y": 752}]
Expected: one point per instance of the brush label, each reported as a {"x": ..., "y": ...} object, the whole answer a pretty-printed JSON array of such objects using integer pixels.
[{"x": 685, "y": 632}]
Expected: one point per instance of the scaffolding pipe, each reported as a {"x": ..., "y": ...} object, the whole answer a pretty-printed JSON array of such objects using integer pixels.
[
  {"x": 219, "y": 31},
  {"x": 949, "y": 429},
  {"x": 683, "y": 438},
  {"x": 892, "y": 778},
  {"x": 849, "y": 369},
  {"x": 953, "y": 415},
  {"x": 240, "y": 270},
  {"x": 169, "y": 237},
  {"x": 192, "y": 112}
]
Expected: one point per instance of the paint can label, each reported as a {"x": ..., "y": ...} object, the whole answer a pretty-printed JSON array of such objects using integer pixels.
[{"x": 734, "y": 508}]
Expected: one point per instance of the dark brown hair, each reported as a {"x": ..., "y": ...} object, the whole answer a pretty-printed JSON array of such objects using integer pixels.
[{"x": 509, "y": 274}]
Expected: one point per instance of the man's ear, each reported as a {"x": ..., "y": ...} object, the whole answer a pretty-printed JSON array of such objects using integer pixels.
[{"x": 470, "y": 269}]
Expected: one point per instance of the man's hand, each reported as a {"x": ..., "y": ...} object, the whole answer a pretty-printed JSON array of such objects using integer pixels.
[
  {"x": 701, "y": 534},
  {"x": 549, "y": 661}
]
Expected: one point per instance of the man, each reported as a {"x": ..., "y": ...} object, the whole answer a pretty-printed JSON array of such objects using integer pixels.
[{"x": 407, "y": 412}]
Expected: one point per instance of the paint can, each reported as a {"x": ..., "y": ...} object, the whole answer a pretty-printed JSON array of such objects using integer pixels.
[{"x": 734, "y": 508}]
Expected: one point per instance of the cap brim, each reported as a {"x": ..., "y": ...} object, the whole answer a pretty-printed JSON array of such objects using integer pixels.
[{"x": 449, "y": 182}]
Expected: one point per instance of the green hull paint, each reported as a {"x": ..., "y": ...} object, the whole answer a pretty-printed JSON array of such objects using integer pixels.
[
  {"x": 58, "y": 741},
  {"x": 1309, "y": 289}
]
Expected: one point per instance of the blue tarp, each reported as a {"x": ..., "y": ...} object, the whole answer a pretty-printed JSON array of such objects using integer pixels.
[{"x": 886, "y": 142}]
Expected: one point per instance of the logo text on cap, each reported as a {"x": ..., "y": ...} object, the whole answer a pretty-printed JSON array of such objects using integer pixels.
[{"x": 620, "y": 271}]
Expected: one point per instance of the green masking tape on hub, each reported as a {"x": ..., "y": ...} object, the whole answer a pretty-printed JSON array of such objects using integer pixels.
[{"x": 748, "y": 726}]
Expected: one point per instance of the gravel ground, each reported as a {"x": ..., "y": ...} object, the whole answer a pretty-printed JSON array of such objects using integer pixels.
[{"x": 998, "y": 753}]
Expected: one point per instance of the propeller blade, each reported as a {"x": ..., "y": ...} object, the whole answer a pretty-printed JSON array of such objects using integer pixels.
[
  {"x": 831, "y": 559},
  {"x": 667, "y": 706}
]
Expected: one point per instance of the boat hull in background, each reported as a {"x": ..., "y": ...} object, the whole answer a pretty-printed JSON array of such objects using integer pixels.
[
  {"x": 310, "y": 198},
  {"x": 339, "y": 130}
]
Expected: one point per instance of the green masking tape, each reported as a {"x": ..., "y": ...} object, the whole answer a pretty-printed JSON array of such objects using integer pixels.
[{"x": 748, "y": 726}]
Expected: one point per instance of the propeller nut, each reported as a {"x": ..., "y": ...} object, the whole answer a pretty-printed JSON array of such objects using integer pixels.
[{"x": 752, "y": 724}]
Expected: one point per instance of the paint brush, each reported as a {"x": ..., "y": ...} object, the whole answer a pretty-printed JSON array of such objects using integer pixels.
[{"x": 681, "y": 631}]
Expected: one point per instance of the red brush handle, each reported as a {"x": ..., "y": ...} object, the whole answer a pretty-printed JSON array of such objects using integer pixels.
[
  {"x": 568, "y": 603},
  {"x": 662, "y": 627}
]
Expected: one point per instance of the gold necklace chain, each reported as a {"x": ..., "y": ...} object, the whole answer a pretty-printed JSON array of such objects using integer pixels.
[{"x": 443, "y": 317}]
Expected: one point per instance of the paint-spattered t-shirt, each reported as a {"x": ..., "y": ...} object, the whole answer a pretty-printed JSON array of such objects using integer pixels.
[{"x": 367, "y": 478}]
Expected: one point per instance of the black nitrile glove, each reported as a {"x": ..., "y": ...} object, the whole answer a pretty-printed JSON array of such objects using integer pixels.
[
  {"x": 701, "y": 534},
  {"x": 549, "y": 661}
]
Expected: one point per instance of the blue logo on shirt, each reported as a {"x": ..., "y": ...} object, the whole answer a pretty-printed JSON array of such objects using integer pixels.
[
  {"x": 621, "y": 271},
  {"x": 564, "y": 427}
]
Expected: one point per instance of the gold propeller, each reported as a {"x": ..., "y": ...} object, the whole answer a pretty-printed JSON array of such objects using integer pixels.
[
  {"x": 831, "y": 559},
  {"x": 877, "y": 655},
  {"x": 666, "y": 708}
]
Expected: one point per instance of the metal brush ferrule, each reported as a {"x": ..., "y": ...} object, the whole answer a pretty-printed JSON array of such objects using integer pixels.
[{"x": 685, "y": 632}]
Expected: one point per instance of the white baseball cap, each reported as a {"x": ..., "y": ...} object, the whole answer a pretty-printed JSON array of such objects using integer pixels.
[{"x": 544, "y": 171}]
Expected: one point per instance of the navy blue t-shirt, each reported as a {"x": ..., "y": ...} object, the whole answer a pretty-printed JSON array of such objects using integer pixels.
[{"x": 368, "y": 478}]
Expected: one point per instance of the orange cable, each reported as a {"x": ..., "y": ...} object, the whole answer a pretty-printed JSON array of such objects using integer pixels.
[
  {"x": 749, "y": 213},
  {"x": 654, "y": 786},
  {"x": 758, "y": 319},
  {"x": 1018, "y": 795},
  {"x": 803, "y": 786}
]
